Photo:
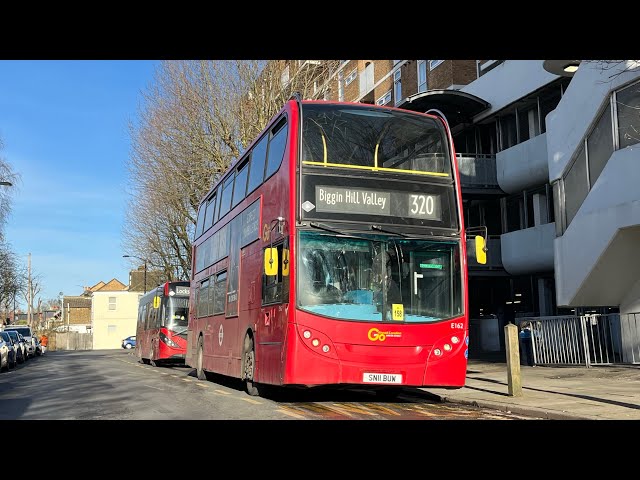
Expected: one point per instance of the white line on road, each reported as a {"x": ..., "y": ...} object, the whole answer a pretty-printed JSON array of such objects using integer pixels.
[
  {"x": 202, "y": 385},
  {"x": 151, "y": 386},
  {"x": 251, "y": 400},
  {"x": 222, "y": 392},
  {"x": 186, "y": 379}
]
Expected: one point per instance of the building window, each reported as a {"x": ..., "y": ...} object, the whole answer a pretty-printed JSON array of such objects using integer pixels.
[
  {"x": 340, "y": 86},
  {"x": 422, "y": 76},
  {"x": 528, "y": 123},
  {"x": 548, "y": 102},
  {"x": 397, "y": 87},
  {"x": 514, "y": 211},
  {"x": 384, "y": 99},
  {"x": 599, "y": 145},
  {"x": 111, "y": 329},
  {"x": 284, "y": 76},
  {"x": 351, "y": 77},
  {"x": 628, "y": 113},
  {"x": 112, "y": 303},
  {"x": 575, "y": 186},
  {"x": 434, "y": 63},
  {"x": 485, "y": 66},
  {"x": 508, "y": 131},
  {"x": 395, "y": 62}
]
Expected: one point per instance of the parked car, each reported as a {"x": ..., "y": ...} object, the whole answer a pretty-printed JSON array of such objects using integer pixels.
[
  {"x": 129, "y": 342},
  {"x": 27, "y": 333},
  {"x": 12, "y": 349},
  {"x": 4, "y": 355},
  {"x": 21, "y": 349}
]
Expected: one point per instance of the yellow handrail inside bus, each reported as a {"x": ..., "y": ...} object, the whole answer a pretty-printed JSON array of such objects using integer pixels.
[
  {"x": 375, "y": 157},
  {"x": 372, "y": 169},
  {"x": 324, "y": 146}
]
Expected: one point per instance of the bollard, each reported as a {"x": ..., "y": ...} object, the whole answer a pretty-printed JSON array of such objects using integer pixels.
[{"x": 513, "y": 360}]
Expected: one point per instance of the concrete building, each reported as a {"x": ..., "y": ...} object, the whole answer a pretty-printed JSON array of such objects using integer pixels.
[{"x": 548, "y": 158}]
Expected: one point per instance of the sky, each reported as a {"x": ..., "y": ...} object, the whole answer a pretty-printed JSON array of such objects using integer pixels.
[{"x": 64, "y": 126}]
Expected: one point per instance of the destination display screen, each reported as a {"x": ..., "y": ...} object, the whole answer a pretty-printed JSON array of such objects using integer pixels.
[
  {"x": 377, "y": 201},
  {"x": 182, "y": 290}
]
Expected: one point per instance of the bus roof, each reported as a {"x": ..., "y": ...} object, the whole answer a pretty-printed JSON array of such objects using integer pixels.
[{"x": 287, "y": 107}]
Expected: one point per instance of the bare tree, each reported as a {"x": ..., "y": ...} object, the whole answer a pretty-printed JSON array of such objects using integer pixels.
[
  {"x": 11, "y": 279},
  {"x": 196, "y": 119},
  {"x": 6, "y": 175}
]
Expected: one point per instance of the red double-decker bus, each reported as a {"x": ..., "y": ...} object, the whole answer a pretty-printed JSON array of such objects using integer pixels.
[
  {"x": 333, "y": 253},
  {"x": 163, "y": 316}
]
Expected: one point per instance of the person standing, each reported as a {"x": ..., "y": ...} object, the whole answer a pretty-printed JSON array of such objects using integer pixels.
[{"x": 527, "y": 344}]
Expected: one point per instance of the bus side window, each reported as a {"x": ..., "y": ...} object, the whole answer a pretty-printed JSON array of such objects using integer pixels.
[
  {"x": 275, "y": 288},
  {"x": 219, "y": 293}
]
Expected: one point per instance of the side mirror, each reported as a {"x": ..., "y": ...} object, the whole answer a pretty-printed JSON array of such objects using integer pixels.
[
  {"x": 481, "y": 250},
  {"x": 270, "y": 261},
  {"x": 285, "y": 262}
]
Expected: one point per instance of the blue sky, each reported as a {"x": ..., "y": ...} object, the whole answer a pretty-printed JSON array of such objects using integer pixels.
[{"x": 64, "y": 125}]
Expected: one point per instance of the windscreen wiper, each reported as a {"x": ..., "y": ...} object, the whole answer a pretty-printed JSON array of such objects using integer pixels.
[
  {"x": 380, "y": 229},
  {"x": 336, "y": 232}
]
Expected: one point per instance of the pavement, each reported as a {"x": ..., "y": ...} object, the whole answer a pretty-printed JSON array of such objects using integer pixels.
[{"x": 555, "y": 393}]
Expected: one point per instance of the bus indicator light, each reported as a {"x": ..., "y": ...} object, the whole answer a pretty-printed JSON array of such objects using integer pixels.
[
  {"x": 306, "y": 334},
  {"x": 437, "y": 352},
  {"x": 315, "y": 342},
  {"x": 447, "y": 347},
  {"x": 455, "y": 340},
  {"x": 325, "y": 348}
]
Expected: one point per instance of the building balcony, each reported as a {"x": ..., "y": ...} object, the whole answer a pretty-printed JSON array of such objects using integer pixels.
[
  {"x": 530, "y": 250},
  {"x": 524, "y": 165},
  {"x": 477, "y": 173}
]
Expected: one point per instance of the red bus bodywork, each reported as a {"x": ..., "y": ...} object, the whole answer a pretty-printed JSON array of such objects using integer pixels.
[
  {"x": 158, "y": 340},
  {"x": 420, "y": 354}
]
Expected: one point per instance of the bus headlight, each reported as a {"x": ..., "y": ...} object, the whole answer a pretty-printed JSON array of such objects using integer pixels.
[{"x": 168, "y": 341}]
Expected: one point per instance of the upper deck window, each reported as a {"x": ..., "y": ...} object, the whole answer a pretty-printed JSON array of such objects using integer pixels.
[{"x": 374, "y": 139}]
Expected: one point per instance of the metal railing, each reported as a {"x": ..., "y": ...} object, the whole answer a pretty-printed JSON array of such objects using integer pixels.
[
  {"x": 477, "y": 170},
  {"x": 585, "y": 340}
]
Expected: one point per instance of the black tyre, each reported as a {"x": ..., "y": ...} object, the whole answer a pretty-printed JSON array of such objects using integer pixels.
[
  {"x": 200, "y": 373},
  {"x": 249, "y": 366}
]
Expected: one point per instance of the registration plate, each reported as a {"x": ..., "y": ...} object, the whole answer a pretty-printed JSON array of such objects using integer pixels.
[{"x": 382, "y": 377}]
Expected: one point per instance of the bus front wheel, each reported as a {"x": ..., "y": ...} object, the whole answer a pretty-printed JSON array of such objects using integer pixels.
[
  {"x": 249, "y": 366},
  {"x": 200, "y": 373}
]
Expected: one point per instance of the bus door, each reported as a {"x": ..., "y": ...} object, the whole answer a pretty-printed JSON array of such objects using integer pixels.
[
  {"x": 274, "y": 315},
  {"x": 155, "y": 322},
  {"x": 430, "y": 284}
]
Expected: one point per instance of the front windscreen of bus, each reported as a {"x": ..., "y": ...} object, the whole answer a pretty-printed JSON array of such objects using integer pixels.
[
  {"x": 368, "y": 138},
  {"x": 398, "y": 280},
  {"x": 177, "y": 314}
]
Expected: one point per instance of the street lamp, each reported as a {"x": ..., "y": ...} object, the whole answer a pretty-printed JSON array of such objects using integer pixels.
[
  {"x": 61, "y": 295},
  {"x": 145, "y": 268}
]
